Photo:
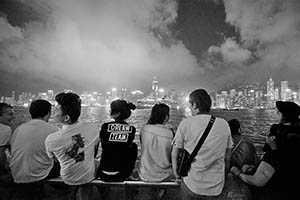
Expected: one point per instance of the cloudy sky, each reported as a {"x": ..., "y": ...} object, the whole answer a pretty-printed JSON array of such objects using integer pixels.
[{"x": 99, "y": 44}]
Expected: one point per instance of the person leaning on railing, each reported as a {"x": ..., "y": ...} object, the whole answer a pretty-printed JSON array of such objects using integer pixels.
[
  {"x": 277, "y": 175},
  {"x": 156, "y": 139},
  {"x": 6, "y": 117},
  {"x": 206, "y": 177}
]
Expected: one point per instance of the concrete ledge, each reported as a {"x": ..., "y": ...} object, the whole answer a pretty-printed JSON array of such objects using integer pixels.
[
  {"x": 56, "y": 189},
  {"x": 124, "y": 183}
]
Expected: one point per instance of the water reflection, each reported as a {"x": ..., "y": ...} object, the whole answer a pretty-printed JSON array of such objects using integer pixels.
[{"x": 255, "y": 122}]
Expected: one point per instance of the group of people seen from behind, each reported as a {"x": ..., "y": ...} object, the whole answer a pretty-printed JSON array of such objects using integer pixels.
[{"x": 79, "y": 151}]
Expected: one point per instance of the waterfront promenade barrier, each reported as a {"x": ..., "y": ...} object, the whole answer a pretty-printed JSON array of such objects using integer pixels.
[{"x": 55, "y": 189}]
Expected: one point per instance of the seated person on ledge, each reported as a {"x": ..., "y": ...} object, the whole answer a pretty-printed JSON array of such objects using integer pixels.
[
  {"x": 6, "y": 117},
  {"x": 278, "y": 175},
  {"x": 156, "y": 139},
  {"x": 119, "y": 152},
  {"x": 29, "y": 160},
  {"x": 75, "y": 145},
  {"x": 244, "y": 151}
]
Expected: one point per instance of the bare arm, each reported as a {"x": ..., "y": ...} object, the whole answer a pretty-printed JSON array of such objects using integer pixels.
[
  {"x": 175, "y": 152},
  {"x": 262, "y": 175}
]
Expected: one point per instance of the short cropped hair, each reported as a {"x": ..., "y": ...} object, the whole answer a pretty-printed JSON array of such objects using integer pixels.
[
  {"x": 70, "y": 105},
  {"x": 123, "y": 107},
  {"x": 159, "y": 113},
  {"x": 235, "y": 126},
  {"x": 202, "y": 100},
  {"x": 39, "y": 108},
  {"x": 4, "y": 106}
]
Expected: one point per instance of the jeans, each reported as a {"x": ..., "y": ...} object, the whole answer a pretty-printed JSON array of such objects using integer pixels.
[{"x": 187, "y": 194}]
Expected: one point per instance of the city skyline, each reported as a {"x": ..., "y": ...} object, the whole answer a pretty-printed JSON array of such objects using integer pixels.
[
  {"x": 187, "y": 44},
  {"x": 242, "y": 97}
]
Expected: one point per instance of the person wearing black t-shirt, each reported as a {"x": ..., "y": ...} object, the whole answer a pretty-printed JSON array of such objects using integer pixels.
[
  {"x": 277, "y": 175},
  {"x": 119, "y": 152}
]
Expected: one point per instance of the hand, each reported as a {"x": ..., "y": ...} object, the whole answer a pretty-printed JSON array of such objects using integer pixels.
[
  {"x": 235, "y": 171},
  {"x": 178, "y": 179},
  {"x": 247, "y": 168}
]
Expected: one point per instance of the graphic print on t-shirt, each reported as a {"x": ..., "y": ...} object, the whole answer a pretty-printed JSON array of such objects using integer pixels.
[
  {"x": 118, "y": 132},
  {"x": 74, "y": 148}
]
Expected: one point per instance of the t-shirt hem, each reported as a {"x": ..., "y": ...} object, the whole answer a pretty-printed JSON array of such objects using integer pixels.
[
  {"x": 81, "y": 183},
  {"x": 32, "y": 181},
  {"x": 203, "y": 191}
]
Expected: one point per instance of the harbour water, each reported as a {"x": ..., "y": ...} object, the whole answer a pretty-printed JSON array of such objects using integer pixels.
[{"x": 255, "y": 122}]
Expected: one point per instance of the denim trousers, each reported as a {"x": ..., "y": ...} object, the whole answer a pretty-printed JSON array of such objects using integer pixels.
[{"x": 187, "y": 194}]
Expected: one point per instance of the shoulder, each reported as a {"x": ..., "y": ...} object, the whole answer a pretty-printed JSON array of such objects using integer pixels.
[
  {"x": 5, "y": 129},
  {"x": 53, "y": 136},
  {"x": 271, "y": 157},
  {"x": 222, "y": 125},
  {"x": 49, "y": 126},
  {"x": 221, "y": 121},
  {"x": 5, "y": 135}
]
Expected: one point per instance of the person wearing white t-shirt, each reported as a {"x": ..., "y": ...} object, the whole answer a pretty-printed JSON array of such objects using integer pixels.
[
  {"x": 206, "y": 177},
  {"x": 75, "y": 145},
  {"x": 29, "y": 160},
  {"x": 6, "y": 117},
  {"x": 156, "y": 138}
]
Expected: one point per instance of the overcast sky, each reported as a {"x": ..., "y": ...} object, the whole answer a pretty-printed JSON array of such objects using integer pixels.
[{"x": 99, "y": 44}]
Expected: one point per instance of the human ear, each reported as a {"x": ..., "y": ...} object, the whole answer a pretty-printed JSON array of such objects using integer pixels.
[
  {"x": 272, "y": 138},
  {"x": 66, "y": 118}
]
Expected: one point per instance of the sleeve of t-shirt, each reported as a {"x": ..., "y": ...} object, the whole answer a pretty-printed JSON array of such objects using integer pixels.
[
  {"x": 103, "y": 131},
  {"x": 48, "y": 148},
  {"x": 178, "y": 140},
  {"x": 5, "y": 136},
  {"x": 229, "y": 138},
  {"x": 132, "y": 134},
  {"x": 270, "y": 158}
]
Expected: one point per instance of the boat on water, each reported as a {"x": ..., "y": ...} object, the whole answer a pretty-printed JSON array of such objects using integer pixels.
[{"x": 148, "y": 103}]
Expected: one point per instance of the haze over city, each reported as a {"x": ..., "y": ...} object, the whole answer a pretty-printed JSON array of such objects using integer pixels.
[{"x": 186, "y": 44}]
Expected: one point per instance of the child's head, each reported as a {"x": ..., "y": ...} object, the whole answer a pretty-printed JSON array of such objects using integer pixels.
[
  {"x": 160, "y": 114},
  {"x": 121, "y": 109}
]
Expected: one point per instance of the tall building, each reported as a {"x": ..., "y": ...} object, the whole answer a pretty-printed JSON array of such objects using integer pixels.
[
  {"x": 270, "y": 88},
  {"x": 155, "y": 89},
  {"x": 50, "y": 95},
  {"x": 114, "y": 93},
  {"x": 123, "y": 93},
  {"x": 13, "y": 95},
  {"x": 284, "y": 90},
  {"x": 270, "y": 93}
]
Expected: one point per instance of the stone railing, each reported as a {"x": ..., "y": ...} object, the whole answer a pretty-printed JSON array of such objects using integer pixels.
[{"x": 55, "y": 189}]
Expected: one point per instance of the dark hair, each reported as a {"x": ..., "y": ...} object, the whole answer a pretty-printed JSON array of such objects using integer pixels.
[
  {"x": 202, "y": 100},
  {"x": 159, "y": 113},
  {"x": 39, "y": 108},
  {"x": 4, "y": 106},
  {"x": 70, "y": 105},
  {"x": 234, "y": 125},
  {"x": 123, "y": 107}
]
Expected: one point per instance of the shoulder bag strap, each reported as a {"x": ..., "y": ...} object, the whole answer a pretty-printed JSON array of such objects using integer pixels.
[
  {"x": 202, "y": 139},
  {"x": 236, "y": 146}
]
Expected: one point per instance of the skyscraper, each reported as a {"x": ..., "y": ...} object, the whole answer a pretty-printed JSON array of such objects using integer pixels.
[
  {"x": 123, "y": 93},
  {"x": 155, "y": 87},
  {"x": 270, "y": 93},
  {"x": 114, "y": 93},
  {"x": 284, "y": 90}
]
